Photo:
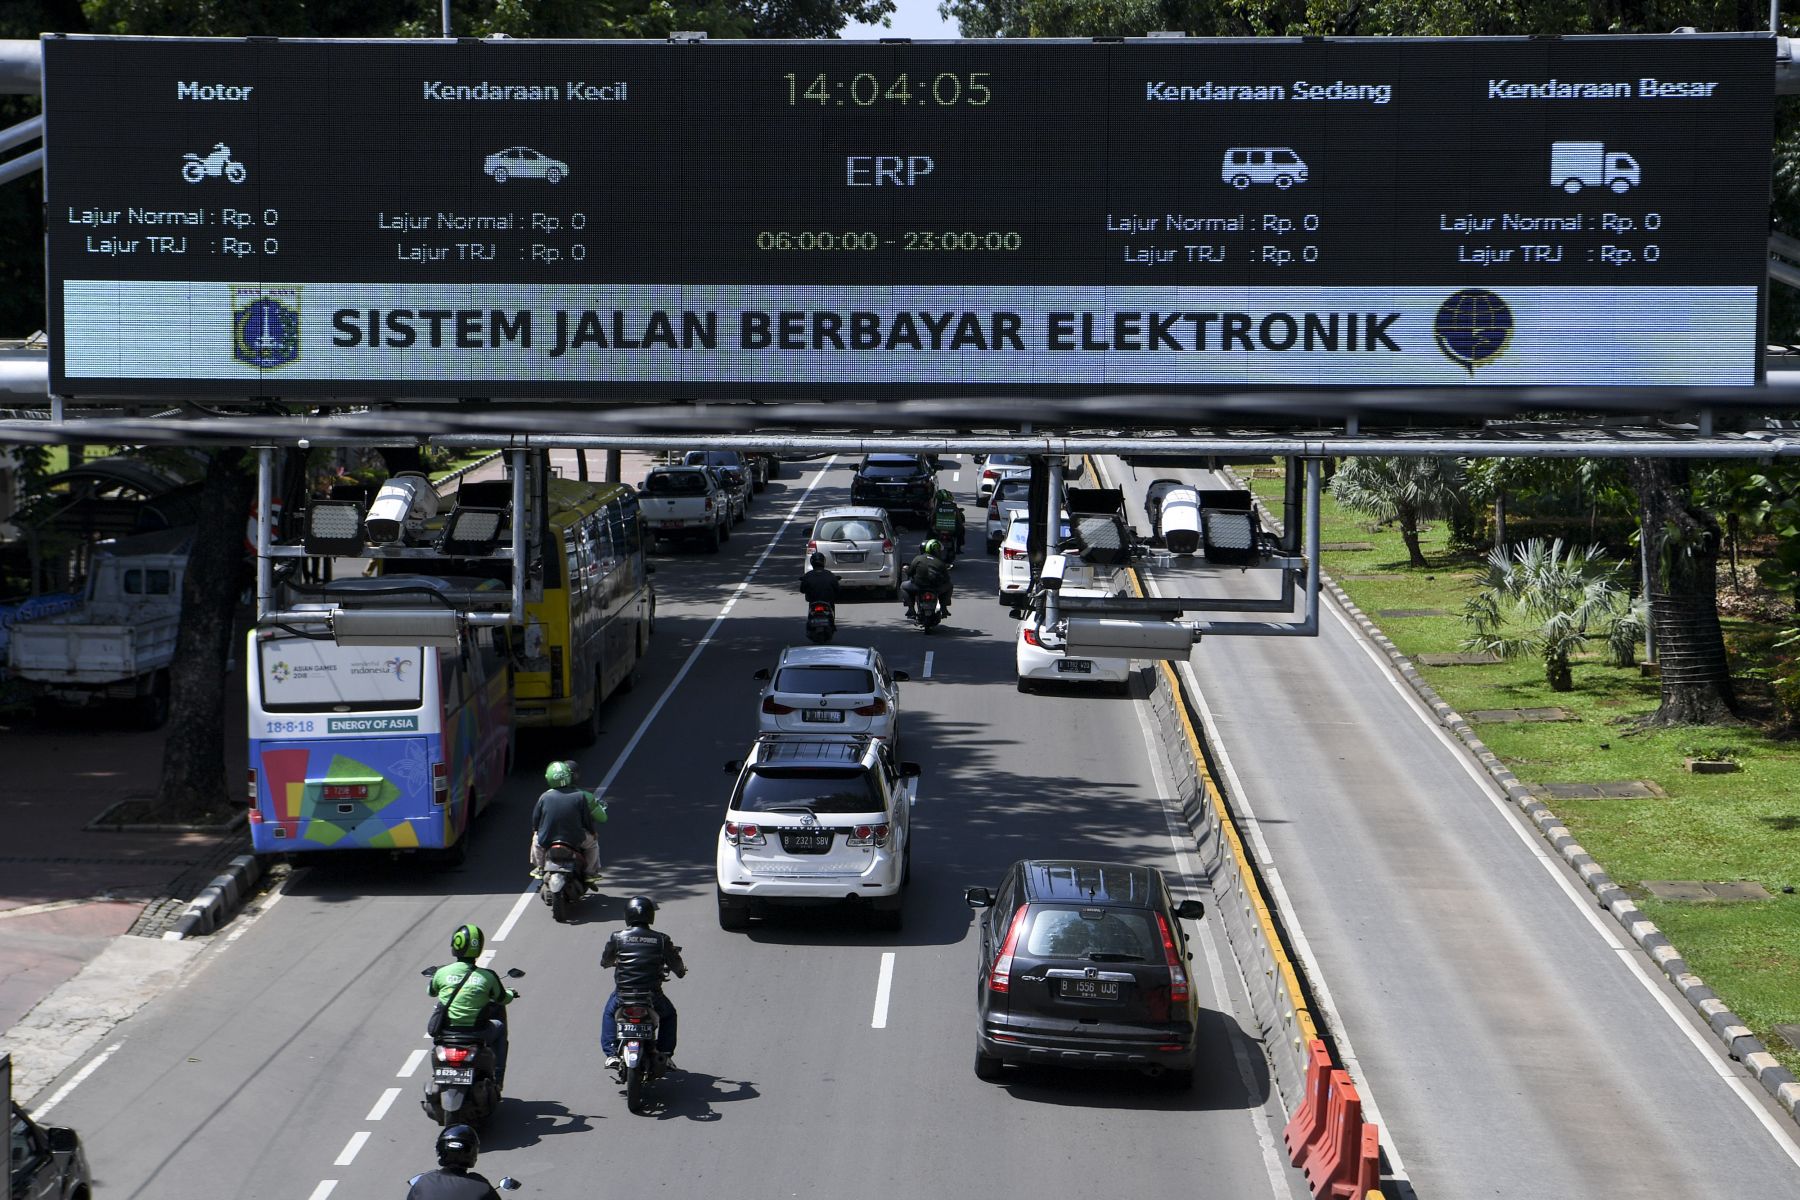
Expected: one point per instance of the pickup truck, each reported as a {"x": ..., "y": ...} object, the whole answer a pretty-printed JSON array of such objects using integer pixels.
[
  {"x": 47, "y": 1161},
  {"x": 117, "y": 643},
  {"x": 686, "y": 504}
]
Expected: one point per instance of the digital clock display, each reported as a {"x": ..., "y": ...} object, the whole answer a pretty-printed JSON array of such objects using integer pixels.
[{"x": 605, "y": 221}]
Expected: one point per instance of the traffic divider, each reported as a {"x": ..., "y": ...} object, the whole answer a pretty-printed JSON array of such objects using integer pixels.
[
  {"x": 1330, "y": 1164},
  {"x": 1309, "y": 1118}
]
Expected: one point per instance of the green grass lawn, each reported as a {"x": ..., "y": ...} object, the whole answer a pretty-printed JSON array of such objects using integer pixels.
[
  {"x": 1742, "y": 826},
  {"x": 472, "y": 457}
]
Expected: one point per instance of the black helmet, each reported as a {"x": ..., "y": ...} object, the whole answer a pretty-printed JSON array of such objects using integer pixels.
[
  {"x": 817, "y": 560},
  {"x": 457, "y": 1146},
  {"x": 640, "y": 910}
]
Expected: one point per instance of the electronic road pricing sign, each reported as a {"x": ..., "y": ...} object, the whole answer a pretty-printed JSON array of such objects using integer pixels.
[{"x": 612, "y": 220}]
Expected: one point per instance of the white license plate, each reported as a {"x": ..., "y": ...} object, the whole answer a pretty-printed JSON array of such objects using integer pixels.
[
  {"x": 1075, "y": 666},
  {"x": 458, "y": 1076},
  {"x": 852, "y": 556},
  {"x": 822, "y": 716}
]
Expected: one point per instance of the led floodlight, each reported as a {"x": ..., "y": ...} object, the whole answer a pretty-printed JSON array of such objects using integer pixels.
[
  {"x": 334, "y": 528},
  {"x": 1228, "y": 536},
  {"x": 472, "y": 532}
]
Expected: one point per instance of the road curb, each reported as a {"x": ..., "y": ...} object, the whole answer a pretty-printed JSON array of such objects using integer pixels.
[
  {"x": 219, "y": 900},
  {"x": 1730, "y": 1031}
]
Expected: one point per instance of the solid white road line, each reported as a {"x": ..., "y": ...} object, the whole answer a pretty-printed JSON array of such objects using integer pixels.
[
  {"x": 711, "y": 631},
  {"x": 1189, "y": 868},
  {"x": 323, "y": 1190},
  {"x": 355, "y": 1143},
  {"x": 382, "y": 1105},
  {"x": 512, "y": 918},
  {"x": 884, "y": 986},
  {"x": 412, "y": 1064},
  {"x": 1582, "y": 899},
  {"x": 61, "y": 1093},
  {"x": 930, "y": 656}
]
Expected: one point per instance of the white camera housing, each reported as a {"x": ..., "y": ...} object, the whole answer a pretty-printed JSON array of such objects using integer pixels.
[
  {"x": 401, "y": 508},
  {"x": 1179, "y": 523}
]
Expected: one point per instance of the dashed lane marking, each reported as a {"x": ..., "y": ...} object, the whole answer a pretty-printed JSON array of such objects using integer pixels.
[
  {"x": 412, "y": 1064},
  {"x": 884, "y": 986},
  {"x": 348, "y": 1155},
  {"x": 323, "y": 1190},
  {"x": 382, "y": 1105},
  {"x": 929, "y": 656}
]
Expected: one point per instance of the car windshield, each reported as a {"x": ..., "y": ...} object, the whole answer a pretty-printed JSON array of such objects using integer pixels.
[
  {"x": 1101, "y": 934},
  {"x": 773, "y": 789},
  {"x": 676, "y": 483},
  {"x": 1008, "y": 460},
  {"x": 846, "y": 529},
  {"x": 825, "y": 681},
  {"x": 1012, "y": 489}
]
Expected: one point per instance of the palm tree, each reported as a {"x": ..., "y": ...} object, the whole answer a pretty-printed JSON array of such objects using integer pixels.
[
  {"x": 1550, "y": 602},
  {"x": 1402, "y": 490}
]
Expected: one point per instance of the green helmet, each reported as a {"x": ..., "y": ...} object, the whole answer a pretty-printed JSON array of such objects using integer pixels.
[
  {"x": 560, "y": 774},
  {"x": 933, "y": 547},
  {"x": 467, "y": 941}
]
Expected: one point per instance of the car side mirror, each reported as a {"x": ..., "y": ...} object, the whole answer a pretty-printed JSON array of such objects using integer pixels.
[
  {"x": 1190, "y": 910},
  {"x": 62, "y": 1141},
  {"x": 734, "y": 765},
  {"x": 978, "y": 897},
  {"x": 902, "y": 677},
  {"x": 911, "y": 770},
  {"x": 762, "y": 674},
  {"x": 978, "y": 459}
]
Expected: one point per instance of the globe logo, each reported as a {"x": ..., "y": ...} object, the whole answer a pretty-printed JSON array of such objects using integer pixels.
[{"x": 1473, "y": 327}]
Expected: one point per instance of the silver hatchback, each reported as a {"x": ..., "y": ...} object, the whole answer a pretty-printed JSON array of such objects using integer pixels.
[
  {"x": 859, "y": 547},
  {"x": 831, "y": 690}
]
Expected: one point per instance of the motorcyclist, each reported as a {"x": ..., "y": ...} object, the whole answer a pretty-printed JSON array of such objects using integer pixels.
[
  {"x": 570, "y": 815},
  {"x": 927, "y": 573},
  {"x": 947, "y": 519},
  {"x": 455, "y": 1178},
  {"x": 819, "y": 584},
  {"x": 475, "y": 997},
  {"x": 638, "y": 956}
]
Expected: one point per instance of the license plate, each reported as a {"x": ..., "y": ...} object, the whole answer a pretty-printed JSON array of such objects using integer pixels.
[
  {"x": 460, "y": 1076},
  {"x": 1076, "y": 666},
  {"x": 822, "y": 716},
  {"x": 634, "y": 1031},
  {"x": 852, "y": 556},
  {"x": 805, "y": 843},
  {"x": 1090, "y": 989}
]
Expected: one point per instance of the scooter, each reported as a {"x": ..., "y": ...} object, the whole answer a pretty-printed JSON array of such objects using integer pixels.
[
  {"x": 821, "y": 621},
  {"x": 564, "y": 883},
  {"x": 464, "y": 1084},
  {"x": 927, "y": 611},
  {"x": 507, "y": 1183},
  {"x": 219, "y": 162},
  {"x": 640, "y": 1062}
]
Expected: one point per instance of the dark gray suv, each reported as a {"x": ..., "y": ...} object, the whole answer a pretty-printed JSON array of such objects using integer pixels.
[{"x": 1084, "y": 964}]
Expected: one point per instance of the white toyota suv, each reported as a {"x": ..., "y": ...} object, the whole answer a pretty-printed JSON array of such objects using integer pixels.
[{"x": 816, "y": 819}]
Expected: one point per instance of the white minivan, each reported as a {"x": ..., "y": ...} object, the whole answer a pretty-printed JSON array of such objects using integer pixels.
[{"x": 1278, "y": 165}]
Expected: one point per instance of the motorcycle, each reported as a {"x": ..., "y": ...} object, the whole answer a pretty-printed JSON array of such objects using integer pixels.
[
  {"x": 821, "y": 621},
  {"x": 464, "y": 1084},
  {"x": 640, "y": 1062},
  {"x": 219, "y": 162},
  {"x": 563, "y": 883},
  {"x": 928, "y": 612}
]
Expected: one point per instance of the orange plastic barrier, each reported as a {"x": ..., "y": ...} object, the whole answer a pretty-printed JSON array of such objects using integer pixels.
[
  {"x": 1332, "y": 1159},
  {"x": 1368, "y": 1164},
  {"x": 1309, "y": 1119}
]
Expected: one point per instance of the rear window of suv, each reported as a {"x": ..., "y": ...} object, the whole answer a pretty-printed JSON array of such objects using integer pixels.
[
  {"x": 825, "y": 681},
  {"x": 847, "y": 529},
  {"x": 892, "y": 470},
  {"x": 1102, "y": 934},
  {"x": 1012, "y": 489},
  {"x": 767, "y": 789}
]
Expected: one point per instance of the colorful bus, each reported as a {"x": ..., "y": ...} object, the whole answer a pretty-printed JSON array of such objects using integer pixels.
[
  {"x": 588, "y": 616},
  {"x": 376, "y": 748}
]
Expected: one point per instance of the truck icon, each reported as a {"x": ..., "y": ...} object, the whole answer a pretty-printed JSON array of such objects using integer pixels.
[{"x": 1575, "y": 165}]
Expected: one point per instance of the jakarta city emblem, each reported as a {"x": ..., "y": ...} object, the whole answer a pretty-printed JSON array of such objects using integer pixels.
[{"x": 265, "y": 325}]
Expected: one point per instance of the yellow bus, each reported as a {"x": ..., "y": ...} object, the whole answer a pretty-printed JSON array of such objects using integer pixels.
[{"x": 588, "y": 617}]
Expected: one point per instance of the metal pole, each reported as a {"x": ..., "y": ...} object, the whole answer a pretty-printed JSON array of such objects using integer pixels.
[
  {"x": 1644, "y": 572},
  {"x": 1054, "y": 517},
  {"x": 265, "y": 502},
  {"x": 519, "y": 564},
  {"x": 446, "y": 18},
  {"x": 1774, "y": 16}
]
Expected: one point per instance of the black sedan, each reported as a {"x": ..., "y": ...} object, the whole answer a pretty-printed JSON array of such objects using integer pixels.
[
  {"x": 1084, "y": 964},
  {"x": 901, "y": 483}
]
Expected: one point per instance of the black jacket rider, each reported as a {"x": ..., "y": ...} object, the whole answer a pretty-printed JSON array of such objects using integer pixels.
[
  {"x": 451, "y": 1183},
  {"x": 637, "y": 955},
  {"x": 819, "y": 584}
]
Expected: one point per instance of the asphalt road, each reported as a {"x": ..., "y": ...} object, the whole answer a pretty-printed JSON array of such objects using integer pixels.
[
  {"x": 1515, "y": 1042},
  {"x": 290, "y": 1058}
]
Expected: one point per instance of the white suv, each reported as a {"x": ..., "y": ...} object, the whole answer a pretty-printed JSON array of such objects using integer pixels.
[{"x": 816, "y": 820}]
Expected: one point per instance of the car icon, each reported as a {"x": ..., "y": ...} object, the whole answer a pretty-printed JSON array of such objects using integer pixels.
[
  {"x": 522, "y": 162},
  {"x": 1278, "y": 165}
]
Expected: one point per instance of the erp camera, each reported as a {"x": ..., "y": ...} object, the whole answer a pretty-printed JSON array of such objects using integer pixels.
[{"x": 401, "y": 508}]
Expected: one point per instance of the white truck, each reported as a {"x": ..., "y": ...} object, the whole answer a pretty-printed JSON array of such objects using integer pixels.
[
  {"x": 1575, "y": 165},
  {"x": 116, "y": 645},
  {"x": 686, "y": 504}
]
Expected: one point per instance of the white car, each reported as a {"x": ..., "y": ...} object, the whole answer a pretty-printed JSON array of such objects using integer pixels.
[
  {"x": 996, "y": 466},
  {"x": 1011, "y": 494},
  {"x": 1039, "y": 650},
  {"x": 816, "y": 820},
  {"x": 1015, "y": 566},
  {"x": 522, "y": 162},
  {"x": 831, "y": 690},
  {"x": 859, "y": 547}
]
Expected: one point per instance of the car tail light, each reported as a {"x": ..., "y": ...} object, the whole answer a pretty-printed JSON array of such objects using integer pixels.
[
  {"x": 455, "y": 1054},
  {"x": 868, "y": 835},
  {"x": 875, "y": 709},
  {"x": 440, "y": 783},
  {"x": 344, "y": 791},
  {"x": 1031, "y": 637},
  {"x": 812, "y": 546},
  {"x": 1000, "y": 978},
  {"x": 709, "y": 504},
  {"x": 253, "y": 813},
  {"x": 887, "y": 545},
  {"x": 994, "y": 506},
  {"x": 775, "y": 708},
  {"x": 1012, "y": 555},
  {"x": 1178, "y": 982},
  {"x": 743, "y": 835}
]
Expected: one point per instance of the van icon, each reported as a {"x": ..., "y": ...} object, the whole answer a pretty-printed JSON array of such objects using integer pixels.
[{"x": 1263, "y": 164}]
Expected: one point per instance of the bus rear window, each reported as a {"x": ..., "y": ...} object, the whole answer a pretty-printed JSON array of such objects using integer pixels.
[{"x": 304, "y": 675}]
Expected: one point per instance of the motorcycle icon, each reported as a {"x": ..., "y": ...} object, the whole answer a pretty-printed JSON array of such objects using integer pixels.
[{"x": 219, "y": 162}]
